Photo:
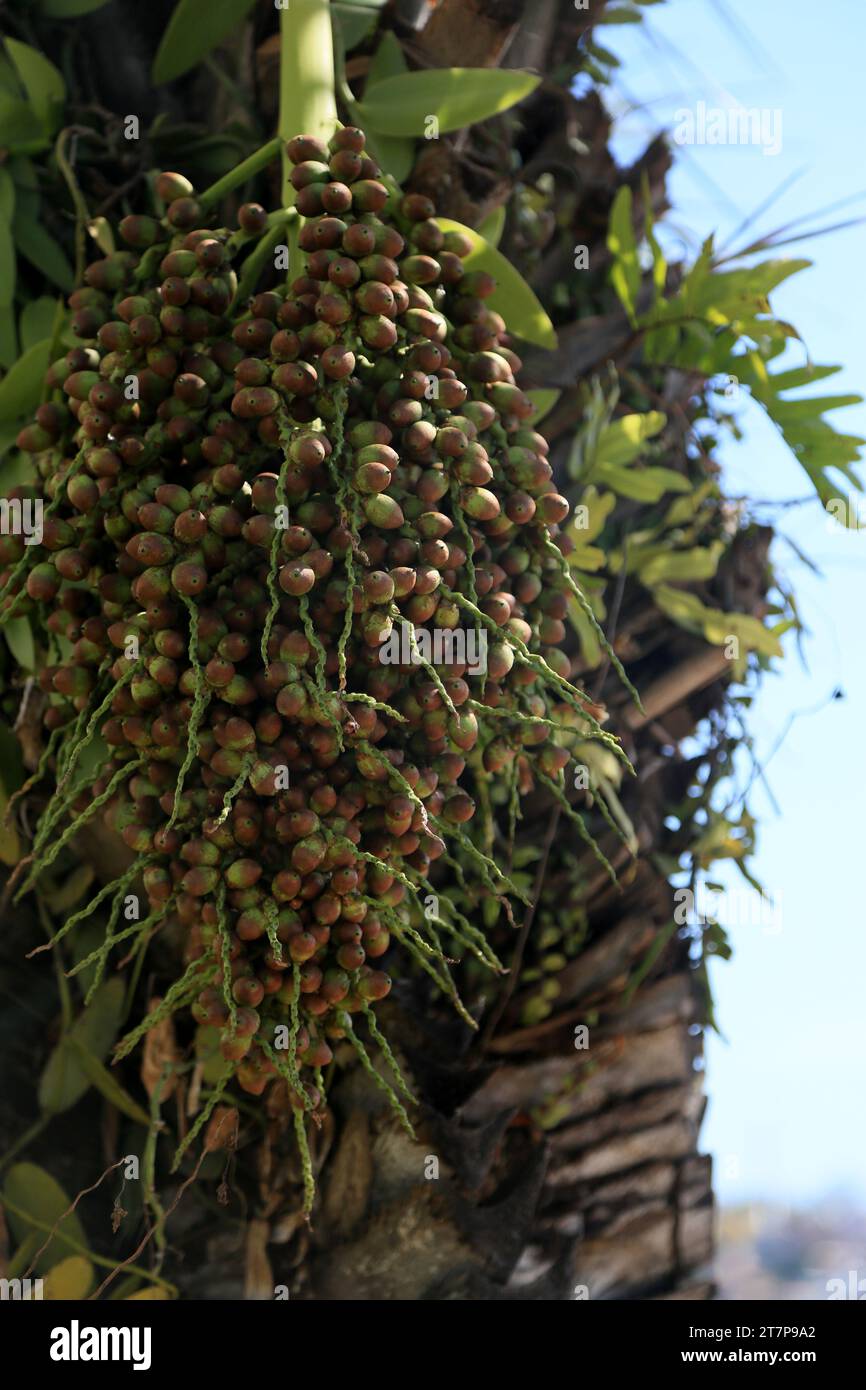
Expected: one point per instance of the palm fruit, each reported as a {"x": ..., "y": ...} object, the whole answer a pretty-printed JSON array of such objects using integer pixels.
[{"x": 267, "y": 523}]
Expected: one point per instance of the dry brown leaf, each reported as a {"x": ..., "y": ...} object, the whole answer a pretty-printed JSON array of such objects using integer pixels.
[{"x": 160, "y": 1048}]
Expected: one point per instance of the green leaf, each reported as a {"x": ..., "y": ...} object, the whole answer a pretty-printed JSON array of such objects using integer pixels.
[
  {"x": 641, "y": 484},
  {"x": 64, "y": 1080},
  {"x": 512, "y": 298},
  {"x": 457, "y": 97},
  {"x": 70, "y": 9},
  {"x": 623, "y": 439},
  {"x": 701, "y": 562},
  {"x": 108, "y": 1085},
  {"x": 493, "y": 226},
  {"x": 41, "y": 81},
  {"x": 625, "y": 275},
  {"x": 37, "y": 321},
  {"x": 71, "y": 1279},
  {"x": 396, "y": 152},
  {"x": 21, "y": 388},
  {"x": 21, "y": 131},
  {"x": 191, "y": 34},
  {"x": 40, "y": 248},
  {"x": 19, "y": 638},
  {"x": 387, "y": 61},
  {"x": 356, "y": 20},
  {"x": 35, "y": 1193},
  {"x": 7, "y": 241},
  {"x": 543, "y": 399}
]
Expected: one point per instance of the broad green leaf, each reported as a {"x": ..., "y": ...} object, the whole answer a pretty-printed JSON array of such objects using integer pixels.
[
  {"x": 387, "y": 61},
  {"x": 42, "y": 82},
  {"x": 191, "y": 34},
  {"x": 152, "y": 1293},
  {"x": 71, "y": 1279},
  {"x": 589, "y": 516},
  {"x": 641, "y": 484},
  {"x": 106, "y": 1083},
  {"x": 396, "y": 152},
  {"x": 456, "y": 97},
  {"x": 36, "y": 1194},
  {"x": 625, "y": 275},
  {"x": 37, "y": 321},
  {"x": 70, "y": 9},
  {"x": 40, "y": 248},
  {"x": 623, "y": 439},
  {"x": 7, "y": 241},
  {"x": 8, "y": 354},
  {"x": 682, "y": 566},
  {"x": 356, "y": 19},
  {"x": 21, "y": 131},
  {"x": 19, "y": 636},
  {"x": 64, "y": 1080},
  {"x": 512, "y": 298},
  {"x": 543, "y": 399},
  {"x": 21, "y": 388},
  {"x": 493, "y": 226}
]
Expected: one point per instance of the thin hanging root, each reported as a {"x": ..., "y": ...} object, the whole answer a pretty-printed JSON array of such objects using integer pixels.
[
  {"x": 420, "y": 661},
  {"x": 361, "y": 699},
  {"x": 570, "y": 694},
  {"x": 364, "y": 1058},
  {"x": 272, "y": 916},
  {"x": 273, "y": 563},
  {"x": 90, "y": 732},
  {"x": 385, "y": 1048},
  {"x": 225, "y": 955},
  {"x": 396, "y": 776},
  {"x": 562, "y": 564},
  {"x": 204, "y": 1114},
  {"x": 190, "y": 983},
  {"x": 200, "y": 703},
  {"x": 36, "y": 776},
  {"x": 577, "y": 818},
  {"x": 117, "y": 887},
  {"x": 484, "y": 863},
  {"x": 43, "y": 862},
  {"x": 235, "y": 788},
  {"x": 306, "y": 1161}
]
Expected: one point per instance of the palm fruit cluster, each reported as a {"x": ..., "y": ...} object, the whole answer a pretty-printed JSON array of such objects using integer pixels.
[{"x": 244, "y": 504}]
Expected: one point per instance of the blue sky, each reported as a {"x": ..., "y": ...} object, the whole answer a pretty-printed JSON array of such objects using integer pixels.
[{"x": 787, "y": 1119}]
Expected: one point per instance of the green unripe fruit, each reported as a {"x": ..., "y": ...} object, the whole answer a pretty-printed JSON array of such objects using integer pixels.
[
  {"x": 140, "y": 232},
  {"x": 383, "y": 511},
  {"x": 372, "y": 477}
]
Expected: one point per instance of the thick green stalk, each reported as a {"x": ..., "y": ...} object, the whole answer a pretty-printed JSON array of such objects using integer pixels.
[{"x": 308, "y": 105}]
